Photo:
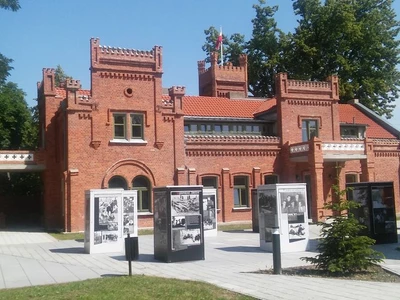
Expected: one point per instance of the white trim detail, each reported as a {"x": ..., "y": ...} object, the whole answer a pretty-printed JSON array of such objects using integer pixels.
[
  {"x": 343, "y": 147},
  {"x": 299, "y": 148},
  {"x": 132, "y": 141},
  {"x": 16, "y": 157}
]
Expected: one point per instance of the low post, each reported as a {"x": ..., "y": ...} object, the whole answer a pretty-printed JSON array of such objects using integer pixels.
[
  {"x": 276, "y": 250},
  {"x": 129, "y": 253}
]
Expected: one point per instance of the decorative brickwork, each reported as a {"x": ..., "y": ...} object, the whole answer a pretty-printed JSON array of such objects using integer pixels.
[{"x": 88, "y": 135}]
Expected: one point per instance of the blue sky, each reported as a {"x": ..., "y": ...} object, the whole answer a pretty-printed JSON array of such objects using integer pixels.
[{"x": 47, "y": 33}]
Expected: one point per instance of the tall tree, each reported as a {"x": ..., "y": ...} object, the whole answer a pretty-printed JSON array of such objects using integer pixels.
[
  {"x": 265, "y": 51},
  {"x": 357, "y": 40},
  {"x": 16, "y": 124}
]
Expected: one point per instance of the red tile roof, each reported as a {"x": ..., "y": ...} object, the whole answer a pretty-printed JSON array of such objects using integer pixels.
[
  {"x": 350, "y": 114},
  {"x": 61, "y": 92},
  {"x": 202, "y": 106}
]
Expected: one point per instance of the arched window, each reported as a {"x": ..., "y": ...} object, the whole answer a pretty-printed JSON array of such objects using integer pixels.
[
  {"x": 117, "y": 182},
  {"x": 142, "y": 185}
]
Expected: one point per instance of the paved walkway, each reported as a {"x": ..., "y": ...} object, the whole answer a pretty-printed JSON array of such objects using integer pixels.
[{"x": 229, "y": 258}]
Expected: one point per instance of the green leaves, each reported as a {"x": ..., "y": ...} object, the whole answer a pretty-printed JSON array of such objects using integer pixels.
[
  {"x": 356, "y": 40},
  {"x": 342, "y": 247},
  {"x": 17, "y": 130}
]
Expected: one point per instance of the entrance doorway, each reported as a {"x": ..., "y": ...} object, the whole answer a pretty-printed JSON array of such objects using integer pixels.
[{"x": 21, "y": 206}]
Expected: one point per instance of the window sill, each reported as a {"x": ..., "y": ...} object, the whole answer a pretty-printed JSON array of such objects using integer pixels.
[
  {"x": 244, "y": 208},
  {"x": 132, "y": 141},
  {"x": 145, "y": 213}
]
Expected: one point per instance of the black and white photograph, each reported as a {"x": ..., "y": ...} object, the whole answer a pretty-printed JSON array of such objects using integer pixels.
[
  {"x": 267, "y": 202},
  {"x": 108, "y": 210},
  {"x": 109, "y": 236},
  {"x": 129, "y": 205},
  {"x": 297, "y": 232},
  {"x": 129, "y": 223},
  {"x": 185, "y": 203},
  {"x": 209, "y": 217},
  {"x": 190, "y": 237},
  {"x": 293, "y": 202},
  {"x": 178, "y": 222},
  {"x": 112, "y": 226},
  {"x": 97, "y": 237}
]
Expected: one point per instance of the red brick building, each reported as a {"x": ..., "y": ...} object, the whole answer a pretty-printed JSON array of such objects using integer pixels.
[{"x": 126, "y": 132}]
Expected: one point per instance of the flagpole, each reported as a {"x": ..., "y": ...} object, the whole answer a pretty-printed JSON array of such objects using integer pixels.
[{"x": 222, "y": 49}]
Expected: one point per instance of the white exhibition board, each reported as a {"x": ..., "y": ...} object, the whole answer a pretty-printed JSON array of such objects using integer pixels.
[
  {"x": 110, "y": 214},
  {"x": 210, "y": 212},
  {"x": 283, "y": 206}
]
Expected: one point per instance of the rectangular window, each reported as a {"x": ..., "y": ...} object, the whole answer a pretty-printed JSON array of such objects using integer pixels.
[
  {"x": 240, "y": 191},
  {"x": 270, "y": 179},
  {"x": 225, "y": 128},
  {"x": 119, "y": 126},
  {"x": 217, "y": 128},
  {"x": 203, "y": 128},
  {"x": 193, "y": 128},
  {"x": 351, "y": 178},
  {"x": 352, "y": 131},
  {"x": 309, "y": 129},
  {"x": 137, "y": 126}
]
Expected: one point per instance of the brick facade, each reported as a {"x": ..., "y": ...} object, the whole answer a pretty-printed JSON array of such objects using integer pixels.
[{"x": 81, "y": 151}]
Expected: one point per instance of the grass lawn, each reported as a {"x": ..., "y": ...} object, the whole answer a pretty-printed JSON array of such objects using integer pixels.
[
  {"x": 123, "y": 287},
  {"x": 221, "y": 227}
]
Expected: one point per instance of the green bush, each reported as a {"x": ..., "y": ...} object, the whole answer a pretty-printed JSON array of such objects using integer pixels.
[{"x": 342, "y": 248}]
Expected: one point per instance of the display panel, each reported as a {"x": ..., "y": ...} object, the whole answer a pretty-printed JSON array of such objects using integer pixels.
[
  {"x": 185, "y": 211},
  {"x": 178, "y": 223},
  {"x": 377, "y": 209},
  {"x": 210, "y": 212},
  {"x": 283, "y": 206},
  {"x": 109, "y": 216}
]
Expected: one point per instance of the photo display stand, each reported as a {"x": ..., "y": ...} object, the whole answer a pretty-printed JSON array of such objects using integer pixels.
[
  {"x": 178, "y": 223},
  {"x": 110, "y": 214},
  {"x": 377, "y": 209},
  {"x": 283, "y": 206},
  {"x": 210, "y": 212}
]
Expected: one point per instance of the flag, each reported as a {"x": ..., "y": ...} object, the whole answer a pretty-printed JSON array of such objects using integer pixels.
[{"x": 219, "y": 41}]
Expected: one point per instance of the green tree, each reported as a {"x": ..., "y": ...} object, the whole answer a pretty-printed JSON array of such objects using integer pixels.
[
  {"x": 342, "y": 248},
  {"x": 265, "y": 51},
  {"x": 10, "y": 4},
  {"x": 17, "y": 129},
  {"x": 233, "y": 46},
  {"x": 357, "y": 40},
  {"x": 60, "y": 76}
]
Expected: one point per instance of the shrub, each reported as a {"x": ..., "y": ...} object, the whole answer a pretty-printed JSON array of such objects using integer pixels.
[{"x": 342, "y": 248}]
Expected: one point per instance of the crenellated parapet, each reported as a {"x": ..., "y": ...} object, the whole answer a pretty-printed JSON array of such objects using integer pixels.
[
  {"x": 125, "y": 60},
  {"x": 221, "y": 80},
  {"x": 303, "y": 89},
  {"x": 48, "y": 83},
  {"x": 176, "y": 93},
  {"x": 72, "y": 85}
]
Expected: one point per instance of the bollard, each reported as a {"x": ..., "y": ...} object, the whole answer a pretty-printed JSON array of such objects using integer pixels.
[
  {"x": 276, "y": 250},
  {"x": 129, "y": 252}
]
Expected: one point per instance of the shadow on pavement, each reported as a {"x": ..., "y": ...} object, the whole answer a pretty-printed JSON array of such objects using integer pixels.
[
  {"x": 241, "y": 249},
  {"x": 73, "y": 250},
  {"x": 142, "y": 258}
]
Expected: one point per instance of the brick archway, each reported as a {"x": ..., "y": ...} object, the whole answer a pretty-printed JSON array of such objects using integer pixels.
[{"x": 141, "y": 169}]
